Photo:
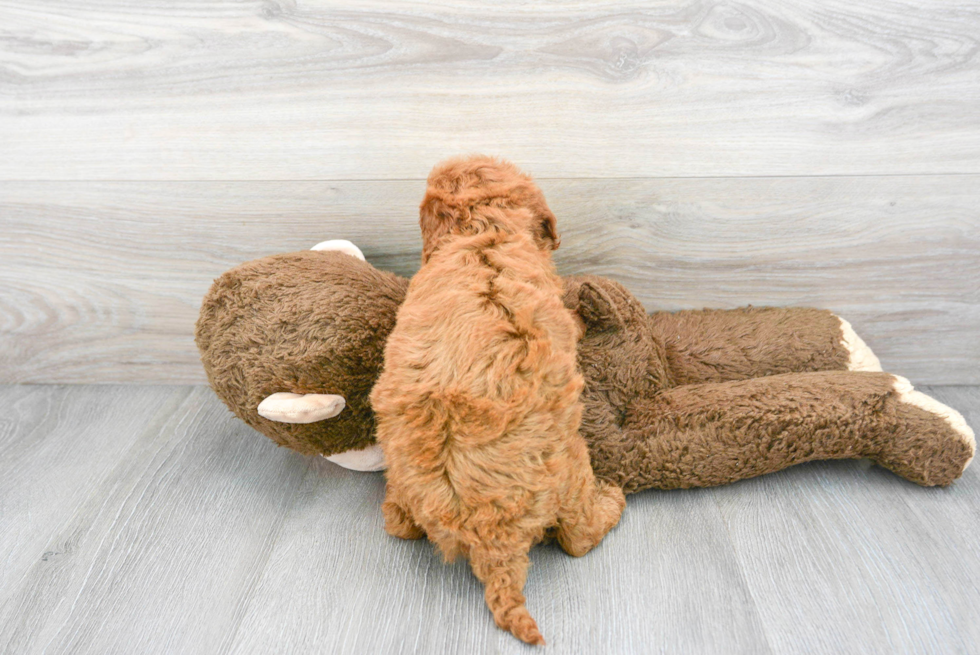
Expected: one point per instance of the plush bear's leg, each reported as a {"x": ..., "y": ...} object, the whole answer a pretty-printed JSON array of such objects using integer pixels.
[
  {"x": 720, "y": 345},
  {"x": 710, "y": 434},
  {"x": 398, "y": 519}
]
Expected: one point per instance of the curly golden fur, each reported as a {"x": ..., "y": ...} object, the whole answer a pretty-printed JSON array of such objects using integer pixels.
[{"x": 478, "y": 405}]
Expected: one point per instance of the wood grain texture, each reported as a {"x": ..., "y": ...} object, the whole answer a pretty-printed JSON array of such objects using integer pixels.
[
  {"x": 59, "y": 445},
  {"x": 102, "y": 281},
  {"x": 197, "y": 535},
  {"x": 320, "y": 89},
  {"x": 157, "y": 555},
  {"x": 665, "y": 578},
  {"x": 842, "y": 558}
]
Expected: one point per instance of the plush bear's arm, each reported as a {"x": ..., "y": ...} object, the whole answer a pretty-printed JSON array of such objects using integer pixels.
[
  {"x": 720, "y": 345},
  {"x": 710, "y": 434}
]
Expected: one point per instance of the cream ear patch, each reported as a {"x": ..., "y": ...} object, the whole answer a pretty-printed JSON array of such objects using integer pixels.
[
  {"x": 368, "y": 459},
  {"x": 861, "y": 358},
  {"x": 907, "y": 394},
  {"x": 301, "y": 408},
  {"x": 343, "y": 245}
]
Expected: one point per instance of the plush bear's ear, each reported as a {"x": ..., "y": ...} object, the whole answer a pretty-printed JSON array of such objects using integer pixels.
[{"x": 598, "y": 309}]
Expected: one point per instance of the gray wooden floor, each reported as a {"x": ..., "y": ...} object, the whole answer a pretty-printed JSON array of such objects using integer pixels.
[{"x": 148, "y": 519}]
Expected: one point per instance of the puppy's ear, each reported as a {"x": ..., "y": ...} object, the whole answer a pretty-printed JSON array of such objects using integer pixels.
[
  {"x": 547, "y": 227},
  {"x": 435, "y": 220},
  {"x": 597, "y": 309}
]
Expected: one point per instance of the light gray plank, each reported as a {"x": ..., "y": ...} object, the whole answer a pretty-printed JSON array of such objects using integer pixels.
[
  {"x": 665, "y": 580},
  {"x": 843, "y": 558},
  {"x": 897, "y": 257},
  {"x": 102, "y": 281},
  {"x": 203, "y": 538},
  {"x": 58, "y": 446},
  {"x": 162, "y": 555},
  {"x": 322, "y": 89}
]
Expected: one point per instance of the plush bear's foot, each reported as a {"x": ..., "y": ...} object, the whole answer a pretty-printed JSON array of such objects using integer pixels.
[
  {"x": 861, "y": 358},
  {"x": 908, "y": 394},
  {"x": 936, "y": 445}
]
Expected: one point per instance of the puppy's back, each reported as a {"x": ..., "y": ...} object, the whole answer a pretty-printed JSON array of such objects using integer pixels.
[
  {"x": 484, "y": 318},
  {"x": 480, "y": 375}
]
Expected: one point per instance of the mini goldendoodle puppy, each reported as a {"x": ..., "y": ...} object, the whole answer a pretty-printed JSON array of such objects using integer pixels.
[{"x": 478, "y": 404}]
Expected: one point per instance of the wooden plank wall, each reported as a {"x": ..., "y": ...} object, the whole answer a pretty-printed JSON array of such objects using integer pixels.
[{"x": 704, "y": 153}]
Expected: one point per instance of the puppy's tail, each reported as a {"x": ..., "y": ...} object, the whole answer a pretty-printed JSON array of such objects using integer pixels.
[{"x": 504, "y": 579}]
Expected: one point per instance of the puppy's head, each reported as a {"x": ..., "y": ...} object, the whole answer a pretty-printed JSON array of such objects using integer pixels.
[{"x": 472, "y": 195}]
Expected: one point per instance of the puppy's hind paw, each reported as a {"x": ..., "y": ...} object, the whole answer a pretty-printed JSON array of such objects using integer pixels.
[{"x": 398, "y": 523}]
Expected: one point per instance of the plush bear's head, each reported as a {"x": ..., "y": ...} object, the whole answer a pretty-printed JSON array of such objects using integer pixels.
[{"x": 305, "y": 322}]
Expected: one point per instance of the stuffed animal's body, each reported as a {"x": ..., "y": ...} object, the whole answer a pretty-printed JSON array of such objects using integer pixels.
[
  {"x": 702, "y": 398},
  {"x": 686, "y": 399}
]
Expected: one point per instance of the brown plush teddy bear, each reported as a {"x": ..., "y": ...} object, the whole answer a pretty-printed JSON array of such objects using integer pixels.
[{"x": 293, "y": 344}]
